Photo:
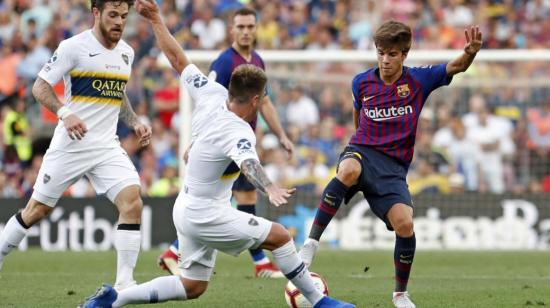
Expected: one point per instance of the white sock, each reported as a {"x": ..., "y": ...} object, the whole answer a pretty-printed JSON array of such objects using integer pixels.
[
  {"x": 155, "y": 291},
  {"x": 295, "y": 270},
  {"x": 11, "y": 236},
  {"x": 127, "y": 244}
]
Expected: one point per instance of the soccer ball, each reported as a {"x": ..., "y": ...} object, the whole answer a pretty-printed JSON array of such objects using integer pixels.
[{"x": 295, "y": 299}]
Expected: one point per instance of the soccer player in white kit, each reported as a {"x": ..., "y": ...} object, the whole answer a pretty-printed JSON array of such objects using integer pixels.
[
  {"x": 95, "y": 66},
  {"x": 203, "y": 216}
]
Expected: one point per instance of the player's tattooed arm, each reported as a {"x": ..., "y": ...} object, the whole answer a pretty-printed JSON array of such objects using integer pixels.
[
  {"x": 130, "y": 118},
  {"x": 255, "y": 173},
  {"x": 44, "y": 94},
  {"x": 127, "y": 114}
]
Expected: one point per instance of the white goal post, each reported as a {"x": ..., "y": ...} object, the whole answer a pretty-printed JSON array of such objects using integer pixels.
[{"x": 332, "y": 56}]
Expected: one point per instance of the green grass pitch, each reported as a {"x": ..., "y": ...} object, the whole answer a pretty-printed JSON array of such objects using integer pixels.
[{"x": 439, "y": 279}]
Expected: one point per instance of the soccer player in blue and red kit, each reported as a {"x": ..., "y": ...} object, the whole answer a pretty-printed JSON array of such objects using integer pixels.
[
  {"x": 387, "y": 100},
  {"x": 241, "y": 52}
]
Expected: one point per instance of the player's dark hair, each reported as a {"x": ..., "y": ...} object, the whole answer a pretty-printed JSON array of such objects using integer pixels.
[
  {"x": 393, "y": 34},
  {"x": 245, "y": 12},
  {"x": 246, "y": 82},
  {"x": 100, "y": 4}
]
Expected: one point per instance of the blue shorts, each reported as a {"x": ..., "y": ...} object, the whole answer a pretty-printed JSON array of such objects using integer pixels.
[
  {"x": 241, "y": 183},
  {"x": 382, "y": 180}
]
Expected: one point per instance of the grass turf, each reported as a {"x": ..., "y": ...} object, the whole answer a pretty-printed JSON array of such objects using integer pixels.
[{"x": 439, "y": 279}]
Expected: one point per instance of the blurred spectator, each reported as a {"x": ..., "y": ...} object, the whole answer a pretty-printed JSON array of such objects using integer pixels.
[
  {"x": 9, "y": 60},
  {"x": 301, "y": 110},
  {"x": 451, "y": 140},
  {"x": 169, "y": 183},
  {"x": 210, "y": 30},
  {"x": 17, "y": 132},
  {"x": 36, "y": 55},
  {"x": 492, "y": 136},
  {"x": 166, "y": 98},
  {"x": 539, "y": 140}
]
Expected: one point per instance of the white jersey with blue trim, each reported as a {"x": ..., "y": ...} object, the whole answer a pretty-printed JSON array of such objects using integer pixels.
[
  {"x": 95, "y": 79},
  {"x": 221, "y": 138}
]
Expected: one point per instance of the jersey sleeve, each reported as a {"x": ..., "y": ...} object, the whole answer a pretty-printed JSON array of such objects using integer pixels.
[
  {"x": 431, "y": 77},
  {"x": 200, "y": 88},
  {"x": 220, "y": 69},
  {"x": 62, "y": 61},
  {"x": 240, "y": 144},
  {"x": 355, "y": 83}
]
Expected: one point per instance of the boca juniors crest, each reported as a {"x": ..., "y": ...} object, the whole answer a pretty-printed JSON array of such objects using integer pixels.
[
  {"x": 125, "y": 58},
  {"x": 403, "y": 90}
]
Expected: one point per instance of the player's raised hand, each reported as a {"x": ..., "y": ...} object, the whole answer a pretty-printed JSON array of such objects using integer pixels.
[
  {"x": 279, "y": 196},
  {"x": 473, "y": 40},
  {"x": 144, "y": 132},
  {"x": 76, "y": 129},
  {"x": 148, "y": 9}
]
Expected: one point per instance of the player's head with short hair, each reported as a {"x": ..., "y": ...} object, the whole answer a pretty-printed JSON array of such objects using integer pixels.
[
  {"x": 393, "y": 34},
  {"x": 247, "y": 87},
  {"x": 393, "y": 41},
  {"x": 244, "y": 28},
  {"x": 110, "y": 17}
]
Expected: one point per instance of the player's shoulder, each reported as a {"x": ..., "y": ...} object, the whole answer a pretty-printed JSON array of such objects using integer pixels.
[
  {"x": 233, "y": 123},
  {"x": 257, "y": 55},
  {"x": 125, "y": 47},
  {"x": 226, "y": 54},
  {"x": 421, "y": 68},
  {"x": 357, "y": 79}
]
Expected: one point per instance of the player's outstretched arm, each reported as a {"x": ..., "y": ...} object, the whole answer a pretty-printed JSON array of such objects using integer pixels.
[
  {"x": 167, "y": 43},
  {"x": 473, "y": 45},
  {"x": 130, "y": 118},
  {"x": 255, "y": 173},
  {"x": 44, "y": 94}
]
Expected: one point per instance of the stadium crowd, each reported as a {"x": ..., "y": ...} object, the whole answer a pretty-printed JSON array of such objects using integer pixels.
[{"x": 472, "y": 138}]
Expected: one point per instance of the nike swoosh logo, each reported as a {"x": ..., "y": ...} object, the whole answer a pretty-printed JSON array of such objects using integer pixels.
[
  {"x": 385, "y": 119},
  {"x": 94, "y": 54},
  {"x": 367, "y": 98}
]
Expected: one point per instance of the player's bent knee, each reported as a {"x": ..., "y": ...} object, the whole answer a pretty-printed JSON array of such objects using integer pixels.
[
  {"x": 194, "y": 288},
  {"x": 278, "y": 236},
  {"x": 349, "y": 171},
  {"x": 404, "y": 227}
]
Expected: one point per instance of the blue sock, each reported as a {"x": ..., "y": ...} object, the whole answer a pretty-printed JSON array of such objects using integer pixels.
[
  {"x": 330, "y": 202},
  {"x": 403, "y": 258},
  {"x": 175, "y": 244},
  {"x": 257, "y": 254}
]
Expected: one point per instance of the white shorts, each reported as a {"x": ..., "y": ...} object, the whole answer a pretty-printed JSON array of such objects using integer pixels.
[
  {"x": 109, "y": 171},
  {"x": 204, "y": 227}
]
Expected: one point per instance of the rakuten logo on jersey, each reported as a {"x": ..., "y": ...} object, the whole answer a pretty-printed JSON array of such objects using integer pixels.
[{"x": 384, "y": 114}]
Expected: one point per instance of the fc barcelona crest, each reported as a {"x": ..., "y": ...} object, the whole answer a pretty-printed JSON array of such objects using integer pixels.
[
  {"x": 403, "y": 90},
  {"x": 125, "y": 58}
]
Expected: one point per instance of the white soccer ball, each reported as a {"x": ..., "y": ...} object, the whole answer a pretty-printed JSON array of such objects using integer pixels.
[{"x": 295, "y": 299}]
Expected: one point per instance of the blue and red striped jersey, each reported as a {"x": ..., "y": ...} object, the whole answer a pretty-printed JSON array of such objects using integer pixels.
[
  {"x": 388, "y": 114},
  {"x": 227, "y": 61}
]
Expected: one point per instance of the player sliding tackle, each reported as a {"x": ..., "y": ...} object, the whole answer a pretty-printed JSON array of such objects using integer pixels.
[{"x": 204, "y": 219}]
